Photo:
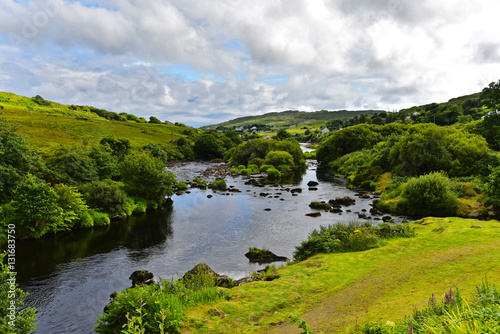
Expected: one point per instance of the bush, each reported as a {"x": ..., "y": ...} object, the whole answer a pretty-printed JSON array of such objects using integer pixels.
[
  {"x": 246, "y": 171},
  {"x": 182, "y": 186},
  {"x": 277, "y": 158},
  {"x": 235, "y": 170},
  {"x": 99, "y": 218},
  {"x": 141, "y": 205},
  {"x": 253, "y": 167},
  {"x": 283, "y": 168},
  {"x": 85, "y": 220},
  {"x": 493, "y": 187},
  {"x": 428, "y": 195},
  {"x": 71, "y": 201},
  {"x": 264, "y": 168},
  {"x": 24, "y": 317},
  {"x": 145, "y": 176},
  {"x": 219, "y": 184},
  {"x": 208, "y": 147},
  {"x": 240, "y": 167},
  {"x": 273, "y": 174},
  {"x": 108, "y": 197}
]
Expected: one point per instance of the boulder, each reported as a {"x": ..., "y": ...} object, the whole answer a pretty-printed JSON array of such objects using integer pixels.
[
  {"x": 345, "y": 201},
  {"x": 296, "y": 190},
  {"x": 263, "y": 256},
  {"x": 313, "y": 214},
  {"x": 204, "y": 270},
  {"x": 312, "y": 184},
  {"x": 141, "y": 277}
]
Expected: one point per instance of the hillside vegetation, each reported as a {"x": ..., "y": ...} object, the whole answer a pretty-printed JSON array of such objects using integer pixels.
[{"x": 48, "y": 124}]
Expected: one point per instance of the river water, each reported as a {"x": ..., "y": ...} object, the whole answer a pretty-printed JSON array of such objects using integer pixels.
[{"x": 70, "y": 276}]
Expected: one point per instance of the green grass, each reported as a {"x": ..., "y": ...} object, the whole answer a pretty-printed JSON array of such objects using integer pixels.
[
  {"x": 334, "y": 292},
  {"x": 48, "y": 126}
]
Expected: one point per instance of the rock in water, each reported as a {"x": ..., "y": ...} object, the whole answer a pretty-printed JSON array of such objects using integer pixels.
[
  {"x": 141, "y": 277},
  {"x": 312, "y": 184},
  {"x": 263, "y": 256}
]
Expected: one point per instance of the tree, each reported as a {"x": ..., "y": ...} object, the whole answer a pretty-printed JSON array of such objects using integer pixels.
[
  {"x": 35, "y": 209},
  {"x": 16, "y": 159},
  {"x": 282, "y": 135},
  {"x": 14, "y": 319},
  {"x": 119, "y": 146},
  {"x": 156, "y": 151},
  {"x": 73, "y": 164},
  {"x": 491, "y": 95},
  {"x": 154, "y": 120},
  {"x": 208, "y": 147},
  {"x": 71, "y": 202},
  {"x": 145, "y": 176}
]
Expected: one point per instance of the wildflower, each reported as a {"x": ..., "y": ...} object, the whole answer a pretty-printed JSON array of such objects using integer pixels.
[{"x": 357, "y": 231}]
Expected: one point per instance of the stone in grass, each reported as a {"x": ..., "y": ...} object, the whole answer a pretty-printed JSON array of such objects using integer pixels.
[
  {"x": 201, "y": 272},
  {"x": 263, "y": 256}
]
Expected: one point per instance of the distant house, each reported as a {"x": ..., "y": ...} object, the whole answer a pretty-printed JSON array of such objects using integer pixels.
[
  {"x": 493, "y": 112},
  {"x": 324, "y": 131},
  {"x": 253, "y": 128},
  {"x": 266, "y": 137},
  {"x": 239, "y": 128}
]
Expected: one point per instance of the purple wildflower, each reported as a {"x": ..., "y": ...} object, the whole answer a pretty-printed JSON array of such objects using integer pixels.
[{"x": 411, "y": 329}]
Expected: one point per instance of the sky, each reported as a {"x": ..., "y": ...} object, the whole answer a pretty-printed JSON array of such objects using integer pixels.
[{"x": 203, "y": 62}]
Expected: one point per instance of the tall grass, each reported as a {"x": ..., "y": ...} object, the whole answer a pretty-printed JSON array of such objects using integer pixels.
[
  {"x": 452, "y": 315},
  {"x": 351, "y": 237},
  {"x": 160, "y": 307}
]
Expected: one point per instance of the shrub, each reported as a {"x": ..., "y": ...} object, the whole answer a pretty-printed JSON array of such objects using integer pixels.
[
  {"x": 145, "y": 176},
  {"x": 235, "y": 170},
  {"x": 273, "y": 174},
  {"x": 219, "y": 184},
  {"x": 493, "y": 187},
  {"x": 277, "y": 158},
  {"x": 141, "y": 205},
  {"x": 240, "y": 167},
  {"x": 264, "y": 168},
  {"x": 253, "y": 167},
  {"x": 208, "y": 147},
  {"x": 85, "y": 220},
  {"x": 428, "y": 195},
  {"x": 24, "y": 317},
  {"x": 246, "y": 171},
  {"x": 71, "y": 201},
  {"x": 182, "y": 186},
  {"x": 99, "y": 218},
  {"x": 283, "y": 168},
  {"x": 108, "y": 197}
]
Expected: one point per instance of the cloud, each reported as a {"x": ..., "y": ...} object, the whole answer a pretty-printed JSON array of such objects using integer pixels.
[{"x": 192, "y": 61}]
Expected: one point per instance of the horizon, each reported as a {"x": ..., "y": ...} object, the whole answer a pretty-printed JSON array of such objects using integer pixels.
[{"x": 207, "y": 63}]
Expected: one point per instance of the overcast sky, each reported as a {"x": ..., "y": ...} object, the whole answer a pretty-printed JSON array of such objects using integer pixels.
[{"x": 206, "y": 61}]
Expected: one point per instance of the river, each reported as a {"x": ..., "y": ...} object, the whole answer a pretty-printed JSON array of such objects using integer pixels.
[{"x": 70, "y": 275}]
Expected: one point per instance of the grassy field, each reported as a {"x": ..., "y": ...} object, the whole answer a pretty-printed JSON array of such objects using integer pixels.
[
  {"x": 48, "y": 126},
  {"x": 334, "y": 292}
]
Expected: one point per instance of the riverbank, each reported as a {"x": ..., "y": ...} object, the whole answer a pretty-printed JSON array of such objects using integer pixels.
[{"x": 334, "y": 292}]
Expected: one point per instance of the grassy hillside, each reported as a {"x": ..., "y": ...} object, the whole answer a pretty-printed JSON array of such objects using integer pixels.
[
  {"x": 47, "y": 124},
  {"x": 294, "y": 118},
  {"x": 334, "y": 292}
]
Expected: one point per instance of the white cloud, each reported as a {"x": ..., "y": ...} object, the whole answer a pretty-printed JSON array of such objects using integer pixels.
[{"x": 221, "y": 56}]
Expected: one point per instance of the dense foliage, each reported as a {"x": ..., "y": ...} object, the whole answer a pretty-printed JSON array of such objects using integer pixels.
[
  {"x": 352, "y": 237},
  {"x": 22, "y": 321},
  {"x": 159, "y": 307}
]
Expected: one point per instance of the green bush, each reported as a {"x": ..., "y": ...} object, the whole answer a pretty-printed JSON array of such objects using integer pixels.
[
  {"x": 273, "y": 174},
  {"x": 283, "y": 168},
  {"x": 428, "y": 195},
  {"x": 264, "y": 168},
  {"x": 159, "y": 307},
  {"x": 182, "y": 186},
  {"x": 277, "y": 158},
  {"x": 85, "y": 220},
  {"x": 99, "y": 218},
  {"x": 108, "y": 197},
  {"x": 141, "y": 205},
  {"x": 208, "y": 147},
  {"x": 253, "y": 167},
  {"x": 235, "y": 170},
  {"x": 355, "y": 236},
  {"x": 493, "y": 187},
  {"x": 145, "y": 176},
  {"x": 246, "y": 171},
  {"x": 219, "y": 184},
  {"x": 23, "y": 319},
  {"x": 240, "y": 167}
]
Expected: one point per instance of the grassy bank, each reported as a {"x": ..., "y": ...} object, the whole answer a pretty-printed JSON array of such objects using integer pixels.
[{"x": 334, "y": 292}]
